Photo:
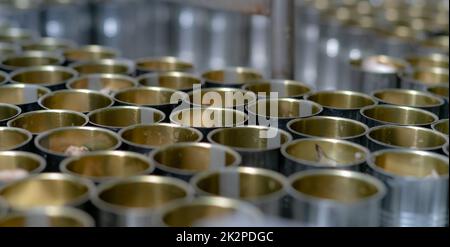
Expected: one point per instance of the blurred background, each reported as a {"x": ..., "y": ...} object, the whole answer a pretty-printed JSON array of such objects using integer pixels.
[{"x": 327, "y": 32}]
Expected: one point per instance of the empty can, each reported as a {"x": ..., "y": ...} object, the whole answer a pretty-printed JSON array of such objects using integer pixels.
[
  {"x": 14, "y": 139},
  {"x": 133, "y": 201},
  {"x": 52, "y": 77},
  {"x": 417, "y": 183},
  {"x": 8, "y": 112},
  {"x": 24, "y": 96},
  {"x": 336, "y": 198},
  {"x": 184, "y": 160},
  {"x": 143, "y": 138}
]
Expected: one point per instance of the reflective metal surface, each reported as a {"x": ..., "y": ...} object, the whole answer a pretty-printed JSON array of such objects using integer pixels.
[
  {"x": 8, "y": 112},
  {"x": 263, "y": 188},
  {"x": 390, "y": 136},
  {"x": 230, "y": 77},
  {"x": 14, "y": 139},
  {"x": 143, "y": 138},
  {"x": 174, "y": 80},
  {"x": 118, "y": 117},
  {"x": 322, "y": 153},
  {"x": 329, "y": 127},
  {"x": 30, "y": 59},
  {"x": 51, "y": 216},
  {"x": 105, "y": 66},
  {"x": 259, "y": 146},
  {"x": 162, "y": 64},
  {"x": 80, "y": 100},
  {"x": 102, "y": 166},
  {"x": 184, "y": 160},
  {"x": 52, "y": 77},
  {"x": 89, "y": 53},
  {"x": 133, "y": 201},
  {"x": 336, "y": 198},
  {"x": 417, "y": 184},
  {"x": 397, "y": 115},
  {"x": 47, "y": 189},
  {"x": 105, "y": 83},
  {"x": 284, "y": 88},
  {"x": 23, "y": 95}
]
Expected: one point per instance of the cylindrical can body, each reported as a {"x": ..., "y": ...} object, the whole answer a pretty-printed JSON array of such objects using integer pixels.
[{"x": 355, "y": 199}]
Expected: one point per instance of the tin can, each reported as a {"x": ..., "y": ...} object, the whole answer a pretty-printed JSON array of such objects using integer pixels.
[
  {"x": 133, "y": 201},
  {"x": 184, "y": 160},
  {"x": 441, "y": 91},
  {"x": 105, "y": 83},
  {"x": 336, "y": 198},
  {"x": 410, "y": 98},
  {"x": 24, "y": 96},
  {"x": 30, "y": 59},
  {"x": 80, "y": 100},
  {"x": 397, "y": 115},
  {"x": 14, "y": 139},
  {"x": 143, "y": 138},
  {"x": 8, "y": 112},
  {"x": 47, "y": 189},
  {"x": 102, "y": 166},
  {"x": 181, "y": 81},
  {"x": 50, "y": 216},
  {"x": 49, "y": 44},
  {"x": 52, "y": 77},
  {"x": 230, "y": 77},
  {"x": 58, "y": 144},
  {"x": 329, "y": 127},
  {"x": 322, "y": 153},
  {"x": 397, "y": 137},
  {"x": 117, "y": 117},
  {"x": 441, "y": 126},
  {"x": 90, "y": 53},
  {"x": 24, "y": 162},
  {"x": 417, "y": 183},
  {"x": 421, "y": 78},
  {"x": 346, "y": 104},
  {"x": 162, "y": 64},
  {"x": 105, "y": 66},
  {"x": 263, "y": 188},
  {"x": 258, "y": 146},
  {"x": 284, "y": 88}
]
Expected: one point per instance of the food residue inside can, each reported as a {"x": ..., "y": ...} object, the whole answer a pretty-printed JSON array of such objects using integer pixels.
[{"x": 76, "y": 150}]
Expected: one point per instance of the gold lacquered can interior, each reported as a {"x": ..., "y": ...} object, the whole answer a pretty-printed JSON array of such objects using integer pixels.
[
  {"x": 40, "y": 121},
  {"x": 439, "y": 90},
  {"x": 209, "y": 117},
  {"x": 107, "y": 165},
  {"x": 192, "y": 157},
  {"x": 28, "y": 61},
  {"x": 441, "y": 126},
  {"x": 87, "y": 53},
  {"x": 102, "y": 82},
  {"x": 227, "y": 97},
  {"x": 146, "y": 96},
  {"x": 15, "y": 160},
  {"x": 159, "y": 135},
  {"x": 15, "y": 35},
  {"x": 119, "y": 117},
  {"x": 7, "y": 112},
  {"x": 173, "y": 80},
  {"x": 326, "y": 152},
  {"x": 164, "y": 64},
  {"x": 246, "y": 137},
  {"x": 407, "y": 98},
  {"x": 102, "y": 68},
  {"x": 283, "y": 88},
  {"x": 328, "y": 127},
  {"x": 11, "y": 138},
  {"x": 411, "y": 164},
  {"x": 232, "y": 76},
  {"x": 341, "y": 100},
  {"x": 52, "y": 220},
  {"x": 251, "y": 185},
  {"x": 286, "y": 108},
  {"x": 21, "y": 94},
  {"x": 48, "y": 77},
  {"x": 142, "y": 194},
  {"x": 432, "y": 76},
  {"x": 59, "y": 140},
  {"x": 48, "y": 44},
  {"x": 408, "y": 137},
  {"x": 341, "y": 189},
  {"x": 399, "y": 115},
  {"x": 80, "y": 101},
  {"x": 187, "y": 216},
  {"x": 433, "y": 60},
  {"x": 43, "y": 191}
]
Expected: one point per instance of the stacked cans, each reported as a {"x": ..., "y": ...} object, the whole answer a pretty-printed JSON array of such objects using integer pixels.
[{"x": 90, "y": 138}]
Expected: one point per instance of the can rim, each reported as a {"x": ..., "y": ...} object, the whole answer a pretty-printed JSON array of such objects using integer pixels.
[
  {"x": 170, "y": 125},
  {"x": 406, "y": 108}
]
